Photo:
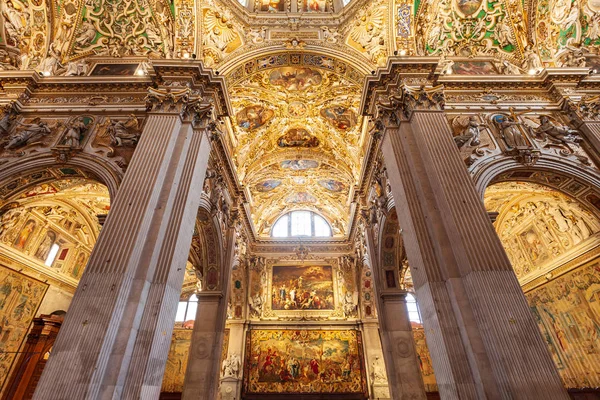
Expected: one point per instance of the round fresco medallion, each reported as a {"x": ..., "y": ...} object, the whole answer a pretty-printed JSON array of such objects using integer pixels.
[
  {"x": 332, "y": 185},
  {"x": 295, "y": 78},
  {"x": 340, "y": 117},
  {"x": 301, "y": 198},
  {"x": 299, "y": 165},
  {"x": 253, "y": 117},
  {"x": 297, "y": 137},
  {"x": 297, "y": 109},
  {"x": 468, "y": 7},
  {"x": 268, "y": 185}
]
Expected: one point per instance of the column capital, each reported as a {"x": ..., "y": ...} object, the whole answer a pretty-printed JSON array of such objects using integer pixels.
[
  {"x": 396, "y": 295},
  {"x": 188, "y": 103},
  {"x": 405, "y": 100},
  {"x": 587, "y": 109}
]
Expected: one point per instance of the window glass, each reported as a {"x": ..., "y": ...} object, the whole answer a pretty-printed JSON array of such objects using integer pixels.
[
  {"x": 181, "y": 307},
  {"x": 413, "y": 310},
  {"x": 301, "y": 223},
  {"x": 281, "y": 227},
  {"x": 52, "y": 254},
  {"x": 322, "y": 228}
]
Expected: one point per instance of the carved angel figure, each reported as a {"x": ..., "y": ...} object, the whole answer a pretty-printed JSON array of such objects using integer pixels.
[
  {"x": 573, "y": 57},
  {"x": 378, "y": 371},
  {"x": 231, "y": 366},
  {"x": 27, "y": 133},
  {"x": 507, "y": 68},
  {"x": 562, "y": 134},
  {"x": 531, "y": 60},
  {"x": 503, "y": 34},
  {"x": 123, "y": 133},
  {"x": 88, "y": 33},
  {"x": 470, "y": 131},
  {"x": 257, "y": 35},
  {"x": 256, "y": 305},
  {"x": 76, "y": 68}
]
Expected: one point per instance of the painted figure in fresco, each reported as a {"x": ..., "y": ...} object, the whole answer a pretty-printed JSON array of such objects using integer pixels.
[
  {"x": 28, "y": 133},
  {"x": 253, "y": 117},
  {"x": 44, "y": 248},
  {"x": 25, "y": 233},
  {"x": 340, "y": 117},
  {"x": 295, "y": 78},
  {"x": 332, "y": 185},
  {"x": 297, "y": 137},
  {"x": 299, "y": 165}
]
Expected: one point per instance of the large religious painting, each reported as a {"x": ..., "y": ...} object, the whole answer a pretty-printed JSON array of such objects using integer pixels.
[
  {"x": 299, "y": 165},
  {"x": 20, "y": 297},
  {"x": 302, "y": 288},
  {"x": 303, "y": 362},
  {"x": 567, "y": 310},
  {"x": 314, "y": 5}
]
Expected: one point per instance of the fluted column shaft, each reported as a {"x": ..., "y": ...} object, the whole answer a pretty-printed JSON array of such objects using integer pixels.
[
  {"x": 397, "y": 341},
  {"x": 204, "y": 368},
  {"x": 483, "y": 339},
  {"x": 141, "y": 374},
  {"x": 102, "y": 321}
]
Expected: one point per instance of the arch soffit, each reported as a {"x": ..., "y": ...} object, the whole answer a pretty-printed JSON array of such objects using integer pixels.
[{"x": 91, "y": 167}]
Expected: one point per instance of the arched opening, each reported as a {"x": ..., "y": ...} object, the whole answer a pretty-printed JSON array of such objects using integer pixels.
[
  {"x": 49, "y": 222},
  {"x": 552, "y": 238},
  {"x": 301, "y": 224}
]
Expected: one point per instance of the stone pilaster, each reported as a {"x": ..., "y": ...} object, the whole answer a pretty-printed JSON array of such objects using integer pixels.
[
  {"x": 131, "y": 263},
  {"x": 204, "y": 369},
  {"x": 143, "y": 377},
  {"x": 374, "y": 351},
  {"x": 399, "y": 353},
  {"x": 585, "y": 116},
  {"x": 483, "y": 339}
]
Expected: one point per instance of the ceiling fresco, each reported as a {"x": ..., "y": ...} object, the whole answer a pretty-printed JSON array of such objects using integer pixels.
[{"x": 298, "y": 132}]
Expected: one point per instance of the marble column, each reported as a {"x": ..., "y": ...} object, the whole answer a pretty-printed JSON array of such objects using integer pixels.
[
  {"x": 397, "y": 341},
  {"x": 100, "y": 331},
  {"x": 204, "y": 360},
  {"x": 484, "y": 341}
]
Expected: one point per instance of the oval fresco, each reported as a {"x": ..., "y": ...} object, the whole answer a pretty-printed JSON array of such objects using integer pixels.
[
  {"x": 301, "y": 197},
  {"x": 252, "y": 117},
  {"x": 332, "y": 185},
  {"x": 297, "y": 137},
  {"x": 299, "y": 165},
  {"x": 268, "y": 185},
  {"x": 340, "y": 117},
  {"x": 468, "y": 7},
  {"x": 295, "y": 78}
]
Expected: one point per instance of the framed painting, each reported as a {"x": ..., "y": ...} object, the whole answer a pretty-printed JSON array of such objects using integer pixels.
[
  {"x": 114, "y": 69},
  {"x": 308, "y": 362},
  {"x": 303, "y": 288}
]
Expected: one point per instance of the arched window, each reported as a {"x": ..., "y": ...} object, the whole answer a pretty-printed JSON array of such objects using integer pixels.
[
  {"x": 186, "y": 310},
  {"x": 301, "y": 223},
  {"x": 413, "y": 310}
]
